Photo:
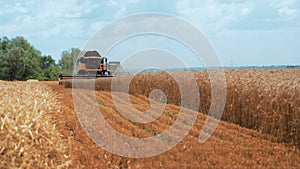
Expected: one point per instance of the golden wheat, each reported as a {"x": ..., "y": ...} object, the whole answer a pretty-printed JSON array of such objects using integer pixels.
[{"x": 28, "y": 131}]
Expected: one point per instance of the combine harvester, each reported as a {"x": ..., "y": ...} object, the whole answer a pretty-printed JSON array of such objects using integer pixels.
[{"x": 90, "y": 65}]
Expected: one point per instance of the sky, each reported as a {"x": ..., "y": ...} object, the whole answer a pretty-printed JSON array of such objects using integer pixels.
[{"x": 243, "y": 32}]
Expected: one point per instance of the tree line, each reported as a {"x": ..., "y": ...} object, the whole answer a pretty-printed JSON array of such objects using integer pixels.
[{"x": 19, "y": 60}]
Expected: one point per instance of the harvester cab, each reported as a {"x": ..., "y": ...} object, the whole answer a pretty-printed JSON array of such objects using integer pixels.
[{"x": 90, "y": 65}]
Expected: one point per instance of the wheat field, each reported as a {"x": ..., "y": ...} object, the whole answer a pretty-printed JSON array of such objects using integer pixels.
[
  {"x": 39, "y": 126},
  {"x": 267, "y": 100}
]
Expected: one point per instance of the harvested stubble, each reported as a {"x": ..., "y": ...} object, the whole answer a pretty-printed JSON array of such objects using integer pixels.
[
  {"x": 267, "y": 100},
  {"x": 28, "y": 131}
]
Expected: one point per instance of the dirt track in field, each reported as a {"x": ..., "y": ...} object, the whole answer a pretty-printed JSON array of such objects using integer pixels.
[{"x": 230, "y": 146}]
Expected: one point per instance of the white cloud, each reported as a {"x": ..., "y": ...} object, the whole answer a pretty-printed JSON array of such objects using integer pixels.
[
  {"x": 120, "y": 12},
  {"x": 212, "y": 15},
  {"x": 13, "y": 8},
  {"x": 287, "y": 8},
  {"x": 250, "y": 32},
  {"x": 95, "y": 27},
  {"x": 48, "y": 18},
  {"x": 220, "y": 16},
  {"x": 112, "y": 3},
  {"x": 120, "y": 7}
]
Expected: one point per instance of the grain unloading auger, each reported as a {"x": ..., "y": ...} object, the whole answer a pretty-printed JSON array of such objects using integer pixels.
[{"x": 91, "y": 65}]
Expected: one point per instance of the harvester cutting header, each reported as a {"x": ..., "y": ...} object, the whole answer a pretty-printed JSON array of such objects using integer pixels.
[{"x": 90, "y": 65}]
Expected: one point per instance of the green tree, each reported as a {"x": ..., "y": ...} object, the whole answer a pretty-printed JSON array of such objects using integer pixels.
[
  {"x": 4, "y": 43},
  {"x": 13, "y": 64},
  {"x": 32, "y": 68},
  {"x": 19, "y": 60},
  {"x": 68, "y": 59},
  {"x": 49, "y": 67}
]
